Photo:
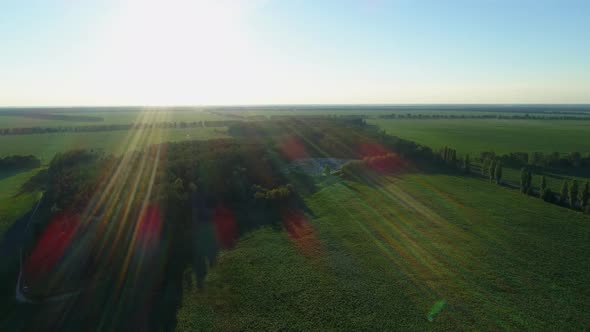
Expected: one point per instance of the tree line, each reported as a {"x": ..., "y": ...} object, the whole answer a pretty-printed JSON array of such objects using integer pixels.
[
  {"x": 541, "y": 159},
  {"x": 115, "y": 127},
  {"x": 167, "y": 124},
  {"x": 442, "y": 116},
  {"x": 52, "y": 116},
  {"x": 570, "y": 195},
  {"x": 16, "y": 162}
]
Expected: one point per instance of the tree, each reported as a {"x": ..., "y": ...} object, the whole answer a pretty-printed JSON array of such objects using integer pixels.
[
  {"x": 525, "y": 180},
  {"x": 529, "y": 182},
  {"x": 492, "y": 171},
  {"x": 548, "y": 195},
  {"x": 466, "y": 167},
  {"x": 498, "y": 172},
  {"x": 543, "y": 188},
  {"x": 563, "y": 192},
  {"x": 485, "y": 168},
  {"x": 573, "y": 193},
  {"x": 584, "y": 194},
  {"x": 522, "y": 180},
  {"x": 327, "y": 170}
]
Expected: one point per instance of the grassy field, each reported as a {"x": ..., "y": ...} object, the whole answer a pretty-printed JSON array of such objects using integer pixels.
[
  {"x": 110, "y": 117},
  {"x": 501, "y": 136},
  {"x": 13, "y": 204},
  {"x": 420, "y": 252},
  {"x": 118, "y": 116},
  {"x": 414, "y": 252},
  {"x": 45, "y": 146}
]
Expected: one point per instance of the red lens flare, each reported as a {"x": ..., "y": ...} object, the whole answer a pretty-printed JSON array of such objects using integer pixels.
[
  {"x": 293, "y": 148},
  {"x": 225, "y": 226},
  {"x": 51, "y": 246},
  {"x": 301, "y": 232}
]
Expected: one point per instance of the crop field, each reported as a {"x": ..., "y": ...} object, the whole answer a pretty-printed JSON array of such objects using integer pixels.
[
  {"x": 415, "y": 252},
  {"x": 14, "y": 203},
  {"x": 134, "y": 114},
  {"x": 109, "y": 117},
  {"x": 501, "y": 136},
  {"x": 45, "y": 146}
]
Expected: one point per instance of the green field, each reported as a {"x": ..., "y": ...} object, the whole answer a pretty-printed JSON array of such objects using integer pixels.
[
  {"x": 14, "y": 204},
  {"x": 110, "y": 117},
  {"x": 501, "y": 136},
  {"x": 420, "y": 252},
  {"x": 45, "y": 146}
]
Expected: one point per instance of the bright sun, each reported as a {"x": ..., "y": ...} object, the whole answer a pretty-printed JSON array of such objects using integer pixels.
[{"x": 180, "y": 52}]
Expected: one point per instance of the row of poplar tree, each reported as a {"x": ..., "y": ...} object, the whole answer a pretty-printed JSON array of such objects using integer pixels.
[
  {"x": 569, "y": 195},
  {"x": 492, "y": 168}
]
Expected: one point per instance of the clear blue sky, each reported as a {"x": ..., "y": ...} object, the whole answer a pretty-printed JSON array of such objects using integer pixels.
[{"x": 144, "y": 52}]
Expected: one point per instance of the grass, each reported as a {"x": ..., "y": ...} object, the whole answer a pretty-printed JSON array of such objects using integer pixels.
[
  {"x": 502, "y": 136},
  {"x": 420, "y": 252},
  {"x": 109, "y": 116},
  {"x": 13, "y": 204},
  {"x": 45, "y": 146}
]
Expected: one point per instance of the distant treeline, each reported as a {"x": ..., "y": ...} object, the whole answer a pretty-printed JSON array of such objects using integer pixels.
[
  {"x": 115, "y": 127},
  {"x": 163, "y": 125},
  {"x": 51, "y": 116},
  {"x": 549, "y": 160},
  {"x": 436, "y": 116},
  {"x": 13, "y": 163}
]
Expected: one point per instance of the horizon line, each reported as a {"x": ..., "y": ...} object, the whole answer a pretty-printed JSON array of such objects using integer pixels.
[{"x": 293, "y": 105}]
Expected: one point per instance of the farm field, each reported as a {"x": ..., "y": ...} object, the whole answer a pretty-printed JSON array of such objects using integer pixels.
[
  {"x": 109, "y": 116},
  {"x": 134, "y": 114},
  {"x": 295, "y": 166},
  {"x": 415, "y": 252},
  {"x": 14, "y": 203},
  {"x": 45, "y": 146},
  {"x": 501, "y": 136}
]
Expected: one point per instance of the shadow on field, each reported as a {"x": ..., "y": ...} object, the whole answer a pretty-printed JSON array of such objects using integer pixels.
[
  {"x": 9, "y": 256},
  {"x": 7, "y": 174},
  {"x": 140, "y": 286}
]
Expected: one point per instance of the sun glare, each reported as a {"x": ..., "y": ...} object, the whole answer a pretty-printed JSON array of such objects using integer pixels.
[{"x": 181, "y": 52}]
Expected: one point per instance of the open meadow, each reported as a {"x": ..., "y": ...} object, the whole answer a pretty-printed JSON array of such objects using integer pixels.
[{"x": 14, "y": 203}]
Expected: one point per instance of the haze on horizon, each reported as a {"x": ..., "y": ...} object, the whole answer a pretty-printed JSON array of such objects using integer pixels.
[{"x": 181, "y": 52}]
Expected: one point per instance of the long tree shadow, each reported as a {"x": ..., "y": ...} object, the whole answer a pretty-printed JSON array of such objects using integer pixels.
[
  {"x": 10, "y": 246},
  {"x": 140, "y": 286}
]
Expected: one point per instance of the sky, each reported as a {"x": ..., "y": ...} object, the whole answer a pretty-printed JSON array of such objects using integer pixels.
[{"x": 201, "y": 52}]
